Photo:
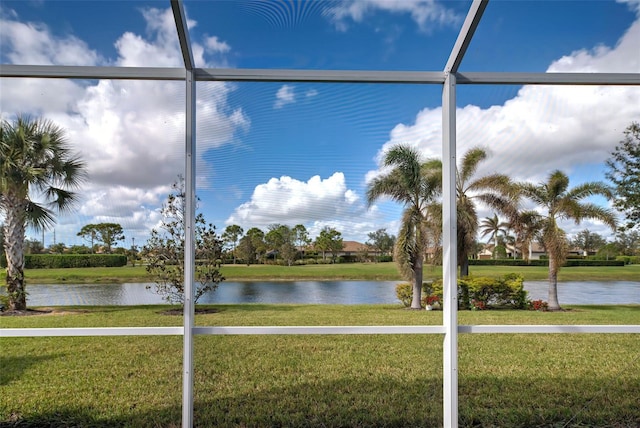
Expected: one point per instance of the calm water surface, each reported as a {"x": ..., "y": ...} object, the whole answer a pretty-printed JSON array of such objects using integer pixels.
[{"x": 324, "y": 292}]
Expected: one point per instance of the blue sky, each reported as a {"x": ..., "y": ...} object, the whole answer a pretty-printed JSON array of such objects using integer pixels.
[{"x": 303, "y": 153}]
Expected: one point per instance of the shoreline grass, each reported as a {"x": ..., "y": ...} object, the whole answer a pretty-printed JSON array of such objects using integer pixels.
[
  {"x": 506, "y": 380},
  {"x": 350, "y": 271}
]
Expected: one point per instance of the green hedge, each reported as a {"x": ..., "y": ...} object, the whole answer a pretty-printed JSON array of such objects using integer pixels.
[
  {"x": 52, "y": 261},
  {"x": 568, "y": 263}
]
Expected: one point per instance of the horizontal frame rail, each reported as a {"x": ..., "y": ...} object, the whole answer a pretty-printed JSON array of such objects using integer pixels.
[
  {"x": 316, "y": 330},
  {"x": 318, "y": 76},
  {"x": 88, "y": 72}
]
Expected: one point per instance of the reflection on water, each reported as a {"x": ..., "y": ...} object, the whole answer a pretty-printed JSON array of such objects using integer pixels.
[{"x": 318, "y": 292}]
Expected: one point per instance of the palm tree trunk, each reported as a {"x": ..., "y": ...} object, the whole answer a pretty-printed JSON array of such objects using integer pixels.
[
  {"x": 464, "y": 266},
  {"x": 552, "y": 299},
  {"x": 416, "y": 303},
  {"x": 495, "y": 246},
  {"x": 14, "y": 249}
]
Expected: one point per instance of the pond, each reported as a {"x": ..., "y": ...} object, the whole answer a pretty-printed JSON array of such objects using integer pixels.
[{"x": 310, "y": 292}]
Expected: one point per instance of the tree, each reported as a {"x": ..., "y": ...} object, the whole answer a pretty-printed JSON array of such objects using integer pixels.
[
  {"x": 527, "y": 226},
  {"x": 588, "y": 242},
  {"x": 414, "y": 184},
  {"x": 381, "y": 241},
  {"x": 624, "y": 173},
  {"x": 231, "y": 235},
  {"x": 329, "y": 240},
  {"x": 560, "y": 203},
  {"x": 79, "y": 249},
  {"x": 2, "y": 240},
  {"x": 495, "y": 190},
  {"x": 33, "y": 246},
  {"x": 609, "y": 251},
  {"x": 493, "y": 227},
  {"x": 89, "y": 233},
  {"x": 280, "y": 240},
  {"x": 109, "y": 234},
  {"x": 301, "y": 237},
  {"x": 36, "y": 163},
  {"x": 629, "y": 243},
  {"x": 106, "y": 233},
  {"x": 58, "y": 248},
  {"x": 256, "y": 237},
  {"x": 246, "y": 250},
  {"x": 165, "y": 251}
]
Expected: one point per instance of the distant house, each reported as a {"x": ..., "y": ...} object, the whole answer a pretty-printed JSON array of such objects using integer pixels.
[{"x": 536, "y": 251}]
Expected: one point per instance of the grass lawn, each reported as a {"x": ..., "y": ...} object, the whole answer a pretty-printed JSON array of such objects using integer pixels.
[
  {"x": 576, "y": 380},
  {"x": 347, "y": 271}
]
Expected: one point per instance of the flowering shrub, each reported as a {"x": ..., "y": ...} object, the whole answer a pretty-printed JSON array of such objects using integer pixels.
[
  {"x": 538, "y": 305},
  {"x": 507, "y": 291},
  {"x": 473, "y": 292},
  {"x": 430, "y": 300},
  {"x": 478, "y": 305}
]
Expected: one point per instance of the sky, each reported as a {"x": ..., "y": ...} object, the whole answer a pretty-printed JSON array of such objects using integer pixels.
[{"x": 295, "y": 153}]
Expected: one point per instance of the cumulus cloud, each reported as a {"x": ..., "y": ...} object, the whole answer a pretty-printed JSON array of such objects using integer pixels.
[
  {"x": 215, "y": 45},
  {"x": 543, "y": 127},
  {"x": 426, "y": 13},
  {"x": 285, "y": 95},
  {"x": 130, "y": 133},
  {"x": 316, "y": 203}
]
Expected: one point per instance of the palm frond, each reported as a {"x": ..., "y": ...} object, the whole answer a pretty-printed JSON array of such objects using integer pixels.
[{"x": 470, "y": 162}]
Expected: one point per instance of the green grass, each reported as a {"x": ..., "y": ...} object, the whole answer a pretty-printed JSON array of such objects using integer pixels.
[
  {"x": 347, "y": 271},
  {"x": 316, "y": 381}
]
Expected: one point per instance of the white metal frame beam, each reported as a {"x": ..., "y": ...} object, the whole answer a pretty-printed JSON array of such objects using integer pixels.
[
  {"x": 449, "y": 78},
  {"x": 317, "y": 76},
  {"x": 182, "y": 28},
  {"x": 449, "y": 216},
  {"x": 317, "y": 330}
]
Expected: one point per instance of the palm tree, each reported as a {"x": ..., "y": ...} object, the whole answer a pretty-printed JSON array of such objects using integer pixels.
[
  {"x": 562, "y": 203},
  {"x": 495, "y": 190},
  {"x": 414, "y": 184},
  {"x": 527, "y": 225},
  {"x": 35, "y": 161},
  {"x": 493, "y": 227}
]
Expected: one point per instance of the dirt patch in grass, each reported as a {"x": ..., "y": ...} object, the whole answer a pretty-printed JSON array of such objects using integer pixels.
[
  {"x": 41, "y": 311},
  {"x": 180, "y": 311}
]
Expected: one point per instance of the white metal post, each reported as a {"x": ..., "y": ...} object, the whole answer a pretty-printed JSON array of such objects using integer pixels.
[
  {"x": 450, "y": 253},
  {"x": 189, "y": 250}
]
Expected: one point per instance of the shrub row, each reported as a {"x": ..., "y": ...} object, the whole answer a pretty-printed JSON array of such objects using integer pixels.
[
  {"x": 52, "y": 261},
  {"x": 568, "y": 263},
  {"x": 629, "y": 260},
  {"x": 474, "y": 292}
]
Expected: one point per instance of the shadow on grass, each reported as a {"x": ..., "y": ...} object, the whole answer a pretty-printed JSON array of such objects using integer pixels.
[
  {"x": 12, "y": 368},
  {"x": 366, "y": 401}
]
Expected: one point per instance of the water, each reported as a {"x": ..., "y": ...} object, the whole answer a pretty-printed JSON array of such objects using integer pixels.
[{"x": 323, "y": 292}]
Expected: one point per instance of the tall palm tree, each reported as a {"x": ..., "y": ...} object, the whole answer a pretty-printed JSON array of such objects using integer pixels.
[
  {"x": 415, "y": 184},
  {"x": 495, "y": 190},
  {"x": 35, "y": 161},
  {"x": 493, "y": 227},
  {"x": 562, "y": 203}
]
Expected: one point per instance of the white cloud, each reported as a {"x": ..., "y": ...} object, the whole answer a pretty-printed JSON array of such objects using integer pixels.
[
  {"x": 543, "y": 127},
  {"x": 31, "y": 43},
  {"x": 311, "y": 93},
  {"x": 213, "y": 44},
  {"x": 285, "y": 95},
  {"x": 316, "y": 203},
  {"x": 130, "y": 133},
  {"x": 426, "y": 13}
]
